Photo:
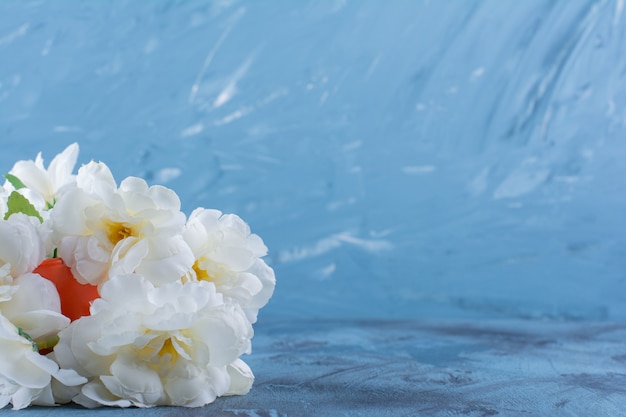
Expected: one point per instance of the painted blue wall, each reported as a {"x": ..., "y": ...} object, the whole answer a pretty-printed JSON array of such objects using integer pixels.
[{"x": 400, "y": 159}]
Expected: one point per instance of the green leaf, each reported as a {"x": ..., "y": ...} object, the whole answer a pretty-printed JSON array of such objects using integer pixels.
[
  {"x": 26, "y": 336},
  {"x": 17, "y": 203},
  {"x": 15, "y": 182}
]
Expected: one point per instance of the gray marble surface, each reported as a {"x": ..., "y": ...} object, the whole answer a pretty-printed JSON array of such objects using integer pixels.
[{"x": 420, "y": 368}]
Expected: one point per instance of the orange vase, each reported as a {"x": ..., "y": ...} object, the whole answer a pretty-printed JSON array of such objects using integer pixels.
[{"x": 75, "y": 297}]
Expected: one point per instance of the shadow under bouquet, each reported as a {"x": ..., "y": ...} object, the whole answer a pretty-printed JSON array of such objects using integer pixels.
[{"x": 110, "y": 295}]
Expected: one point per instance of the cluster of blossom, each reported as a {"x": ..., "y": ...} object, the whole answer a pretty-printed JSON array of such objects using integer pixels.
[{"x": 176, "y": 295}]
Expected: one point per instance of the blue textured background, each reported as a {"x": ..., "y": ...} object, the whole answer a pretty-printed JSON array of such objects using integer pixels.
[
  {"x": 400, "y": 159},
  {"x": 406, "y": 159}
]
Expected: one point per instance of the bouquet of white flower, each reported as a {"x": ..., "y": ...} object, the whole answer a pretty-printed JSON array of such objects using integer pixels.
[{"x": 111, "y": 296}]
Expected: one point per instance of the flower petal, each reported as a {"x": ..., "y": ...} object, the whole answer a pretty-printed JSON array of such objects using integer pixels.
[{"x": 241, "y": 378}]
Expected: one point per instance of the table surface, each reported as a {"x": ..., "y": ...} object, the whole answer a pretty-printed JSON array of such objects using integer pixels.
[{"x": 425, "y": 368}]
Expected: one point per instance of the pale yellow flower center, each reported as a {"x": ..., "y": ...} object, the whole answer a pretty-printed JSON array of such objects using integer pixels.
[
  {"x": 201, "y": 274},
  {"x": 154, "y": 351},
  {"x": 168, "y": 348},
  {"x": 117, "y": 231}
]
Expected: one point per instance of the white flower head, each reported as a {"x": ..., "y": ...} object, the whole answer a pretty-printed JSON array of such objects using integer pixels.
[
  {"x": 101, "y": 228},
  {"x": 21, "y": 245},
  {"x": 43, "y": 184},
  {"x": 31, "y": 303},
  {"x": 34, "y": 306},
  {"x": 25, "y": 375},
  {"x": 228, "y": 255},
  {"x": 177, "y": 344},
  {"x": 30, "y": 319}
]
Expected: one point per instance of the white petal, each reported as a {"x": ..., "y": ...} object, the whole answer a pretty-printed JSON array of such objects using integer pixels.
[
  {"x": 62, "y": 393},
  {"x": 87, "y": 260},
  {"x": 34, "y": 293},
  {"x": 130, "y": 377},
  {"x": 68, "y": 216},
  {"x": 24, "y": 397},
  {"x": 44, "y": 397},
  {"x": 94, "y": 394},
  {"x": 128, "y": 255},
  {"x": 241, "y": 378},
  {"x": 20, "y": 244},
  {"x": 33, "y": 177},
  {"x": 96, "y": 179},
  {"x": 24, "y": 369},
  {"x": 61, "y": 167},
  {"x": 190, "y": 386},
  {"x": 69, "y": 377},
  {"x": 227, "y": 333},
  {"x": 124, "y": 292},
  {"x": 40, "y": 324},
  {"x": 266, "y": 276},
  {"x": 167, "y": 260}
]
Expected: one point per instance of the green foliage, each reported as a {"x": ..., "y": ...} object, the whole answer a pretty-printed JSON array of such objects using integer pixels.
[
  {"x": 15, "y": 182},
  {"x": 17, "y": 203},
  {"x": 26, "y": 336}
]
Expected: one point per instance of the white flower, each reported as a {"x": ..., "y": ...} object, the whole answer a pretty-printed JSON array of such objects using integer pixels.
[
  {"x": 44, "y": 185},
  {"x": 30, "y": 319},
  {"x": 31, "y": 303},
  {"x": 34, "y": 306},
  {"x": 133, "y": 228},
  {"x": 21, "y": 246},
  {"x": 142, "y": 345},
  {"x": 25, "y": 375},
  {"x": 227, "y": 254}
]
